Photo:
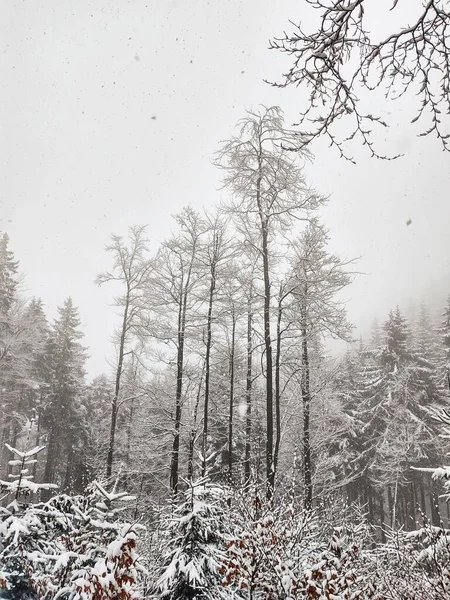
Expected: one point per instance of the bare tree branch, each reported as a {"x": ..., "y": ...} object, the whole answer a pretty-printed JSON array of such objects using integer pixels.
[{"x": 340, "y": 59}]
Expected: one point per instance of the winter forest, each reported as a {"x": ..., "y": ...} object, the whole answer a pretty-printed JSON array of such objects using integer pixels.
[{"x": 246, "y": 440}]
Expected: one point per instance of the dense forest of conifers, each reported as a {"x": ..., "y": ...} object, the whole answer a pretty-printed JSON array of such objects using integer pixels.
[{"x": 221, "y": 366}]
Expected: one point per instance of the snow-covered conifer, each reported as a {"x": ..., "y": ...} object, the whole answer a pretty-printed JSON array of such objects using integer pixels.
[
  {"x": 194, "y": 545},
  {"x": 71, "y": 548}
]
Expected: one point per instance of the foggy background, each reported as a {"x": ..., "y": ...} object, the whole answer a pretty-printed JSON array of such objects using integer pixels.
[{"x": 111, "y": 112}]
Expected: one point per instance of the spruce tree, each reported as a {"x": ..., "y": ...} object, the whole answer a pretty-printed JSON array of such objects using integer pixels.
[
  {"x": 8, "y": 276},
  {"x": 396, "y": 334},
  {"x": 445, "y": 333},
  {"x": 409, "y": 435},
  {"x": 71, "y": 547},
  {"x": 194, "y": 545},
  {"x": 426, "y": 354},
  {"x": 9, "y": 330},
  {"x": 64, "y": 413}
]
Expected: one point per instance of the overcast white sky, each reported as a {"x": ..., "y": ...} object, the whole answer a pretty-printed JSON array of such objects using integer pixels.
[{"x": 111, "y": 112}]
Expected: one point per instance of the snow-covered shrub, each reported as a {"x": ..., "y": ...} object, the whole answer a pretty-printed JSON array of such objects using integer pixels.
[
  {"x": 20, "y": 488},
  {"x": 17, "y": 494},
  {"x": 333, "y": 575},
  {"x": 430, "y": 548},
  {"x": 265, "y": 549},
  {"x": 195, "y": 544},
  {"x": 70, "y": 548}
]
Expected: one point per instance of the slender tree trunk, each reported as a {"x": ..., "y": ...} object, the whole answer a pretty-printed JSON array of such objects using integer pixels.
[
  {"x": 423, "y": 502},
  {"x": 212, "y": 287},
  {"x": 270, "y": 474},
  {"x": 391, "y": 505},
  {"x": 130, "y": 430},
  {"x": 38, "y": 434},
  {"x": 115, "y": 402},
  {"x": 277, "y": 389},
  {"x": 4, "y": 451},
  {"x": 383, "y": 536},
  {"x": 435, "y": 514},
  {"x": 306, "y": 397},
  {"x": 194, "y": 431},
  {"x": 174, "y": 465},
  {"x": 370, "y": 503},
  {"x": 231, "y": 398},
  {"x": 248, "y": 392},
  {"x": 412, "y": 503},
  {"x": 448, "y": 514},
  {"x": 178, "y": 400},
  {"x": 69, "y": 468},
  {"x": 13, "y": 443},
  {"x": 394, "y": 505},
  {"x": 49, "y": 472}
]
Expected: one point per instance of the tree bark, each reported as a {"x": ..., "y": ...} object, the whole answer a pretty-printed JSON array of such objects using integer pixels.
[
  {"x": 49, "y": 471},
  {"x": 193, "y": 432},
  {"x": 178, "y": 399},
  {"x": 212, "y": 287},
  {"x": 231, "y": 397},
  {"x": 423, "y": 502},
  {"x": 382, "y": 517},
  {"x": 270, "y": 474},
  {"x": 119, "y": 370},
  {"x": 248, "y": 391},
  {"x": 435, "y": 513},
  {"x": 277, "y": 388},
  {"x": 69, "y": 469},
  {"x": 306, "y": 397},
  {"x": 174, "y": 465},
  {"x": 130, "y": 429}
]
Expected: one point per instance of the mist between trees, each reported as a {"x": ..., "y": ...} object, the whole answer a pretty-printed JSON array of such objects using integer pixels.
[{"x": 222, "y": 373}]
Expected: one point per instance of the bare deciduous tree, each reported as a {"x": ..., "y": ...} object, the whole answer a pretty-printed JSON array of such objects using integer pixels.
[
  {"x": 216, "y": 252},
  {"x": 175, "y": 306},
  {"x": 131, "y": 271},
  {"x": 317, "y": 279},
  {"x": 342, "y": 57},
  {"x": 269, "y": 194}
]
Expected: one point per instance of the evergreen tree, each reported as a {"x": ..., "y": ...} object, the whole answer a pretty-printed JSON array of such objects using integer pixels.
[
  {"x": 317, "y": 277},
  {"x": 362, "y": 389},
  {"x": 11, "y": 334},
  {"x": 32, "y": 365},
  {"x": 72, "y": 547},
  {"x": 426, "y": 354},
  {"x": 8, "y": 277},
  {"x": 195, "y": 537},
  {"x": 409, "y": 436},
  {"x": 64, "y": 413},
  {"x": 97, "y": 400},
  {"x": 445, "y": 333},
  {"x": 396, "y": 334}
]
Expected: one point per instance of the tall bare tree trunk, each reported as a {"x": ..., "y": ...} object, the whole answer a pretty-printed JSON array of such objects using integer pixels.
[
  {"x": 306, "y": 397},
  {"x": 49, "y": 472},
  {"x": 194, "y": 430},
  {"x": 212, "y": 287},
  {"x": 277, "y": 386},
  {"x": 38, "y": 433},
  {"x": 178, "y": 399},
  {"x": 270, "y": 473},
  {"x": 115, "y": 401},
  {"x": 130, "y": 429},
  {"x": 184, "y": 291},
  {"x": 248, "y": 391},
  {"x": 231, "y": 397}
]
